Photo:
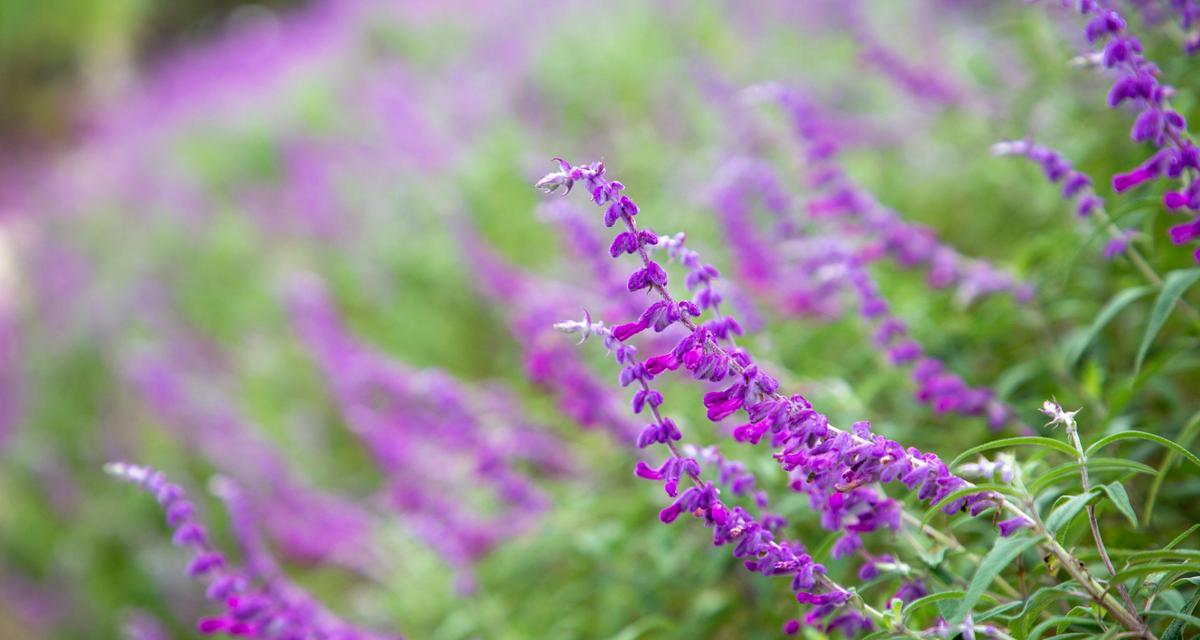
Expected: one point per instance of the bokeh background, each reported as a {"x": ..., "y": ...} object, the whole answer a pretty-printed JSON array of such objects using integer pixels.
[{"x": 203, "y": 205}]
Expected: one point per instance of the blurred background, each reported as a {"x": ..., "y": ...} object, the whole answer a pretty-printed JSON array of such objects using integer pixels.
[{"x": 294, "y": 245}]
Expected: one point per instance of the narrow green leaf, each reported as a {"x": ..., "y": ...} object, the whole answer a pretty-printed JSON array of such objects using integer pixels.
[
  {"x": 1014, "y": 377},
  {"x": 1180, "y": 619},
  {"x": 1174, "y": 285},
  {"x": 1110, "y": 311},
  {"x": 1056, "y": 620},
  {"x": 1158, "y": 567},
  {"x": 1048, "y": 443},
  {"x": 922, "y": 602},
  {"x": 996, "y": 611},
  {"x": 1000, "y": 557},
  {"x": 1034, "y": 605},
  {"x": 1068, "y": 510},
  {"x": 1181, "y": 537},
  {"x": 1142, "y": 435},
  {"x": 1120, "y": 499},
  {"x": 1094, "y": 464},
  {"x": 1175, "y": 631},
  {"x": 821, "y": 553},
  {"x": 1163, "y": 554},
  {"x": 1185, "y": 440}
]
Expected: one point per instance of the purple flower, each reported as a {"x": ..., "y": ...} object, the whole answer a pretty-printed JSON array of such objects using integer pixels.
[
  {"x": 1137, "y": 83},
  {"x": 257, "y": 610},
  {"x": 1012, "y": 525},
  {"x": 909, "y": 244},
  {"x": 832, "y": 466}
]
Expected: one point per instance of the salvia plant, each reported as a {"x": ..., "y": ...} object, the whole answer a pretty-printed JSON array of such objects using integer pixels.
[{"x": 864, "y": 319}]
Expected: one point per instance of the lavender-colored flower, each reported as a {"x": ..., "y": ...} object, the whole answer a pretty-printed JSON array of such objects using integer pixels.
[
  {"x": 427, "y": 434},
  {"x": 308, "y": 524},
  {"x": 1076, "y": 187},
  {"x": 1119, "y": 244},
  {"x": 911, "y": 590},
  {"x": 1137, "y": 84},
  {"x": 830, "y": 465},
  {"x": 826, "y": 265},
  {"x": 754, "y": 540},
  {"x": 923, "y": 84},
  {"x": 910, "y": 245},
  {"x": 1012, "y": 525},
  {"x": 258, "y": 602}
]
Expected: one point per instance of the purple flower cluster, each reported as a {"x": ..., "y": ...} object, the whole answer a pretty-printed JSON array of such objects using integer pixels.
[
  {"x": 730, "y": 473},
  {"x": 1137, "y": 84},
  {"x": 910, "y": 245},
  {"x": 834, "y": 467},
  {"x": 753, "y": 541},
  {"x": 309, "y": 525},
  {"x": 274, "y": 609},
  {"x": 923, "y": 84},
  {"x": 821, "y": 265},
  {"x": 430, "y": 438},
  {"x": 1076, "y": 186},
  {"x": 739, "y": 183},
  {"x": 1186, "y": 13},
  {"x": 937, "y": 387}
]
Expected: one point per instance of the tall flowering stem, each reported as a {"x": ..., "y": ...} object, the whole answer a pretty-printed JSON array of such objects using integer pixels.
[
  {"x": 910, "y": 245},
  {"x": 258, "y": 602},
  {"x": 754, "y": 540},
  {"x": 1137, "y": 83},
  {"x": 821, "y": 265},
  {"x": 1077, "y": 186},
  {"x": 830, "y": 464},
  {"x": 429, "y": 437}
]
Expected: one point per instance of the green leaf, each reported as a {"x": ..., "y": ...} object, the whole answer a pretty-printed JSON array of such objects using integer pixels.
[
  {"x": 1142, "y": 435},
  {"x": 1068, "y": 510},
  {"x": 1014, "y": 377},
  {"x": 1035, "y": 604},
  {"x": 1158, "y": 567},
  {"x": 1181, "y": 537},
  {"x": 1163, "y": 554},
  {"x": 1174, "y": 285},
  {"x": 1180, "y": 619},
  {"x": 998, "y": 610},
  {"x": 1094, "y": 464},
  {"x": 1120, "y": 499},
  {"x": 922, "y": 602},
  {"x": 1184, "y": 440},
  {"x": 1057, "y": 620},
  {"x": 1110, "y": 311},
  {"x": 1175, "y": 631},
  {"x": 1000, "y": 557},
  {"x": 1048, "y": 443}
]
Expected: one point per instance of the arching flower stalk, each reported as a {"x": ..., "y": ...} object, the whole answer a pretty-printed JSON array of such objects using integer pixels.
[
  {"x": 833, "y": 464},
  {"x": 258, "y": 602}
]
